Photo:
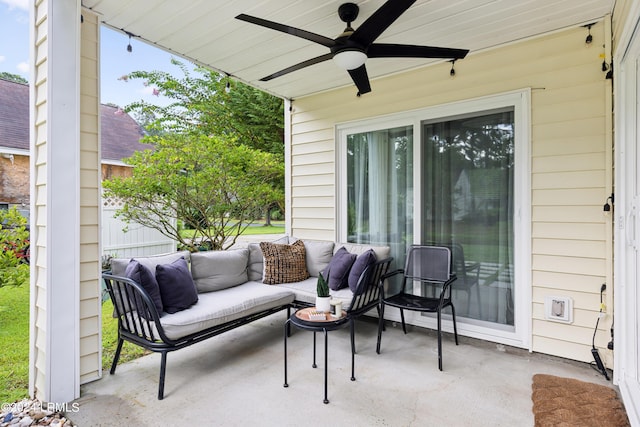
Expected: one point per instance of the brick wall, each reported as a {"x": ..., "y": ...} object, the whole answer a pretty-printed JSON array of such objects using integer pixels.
[{"x": 14, "y": 180}]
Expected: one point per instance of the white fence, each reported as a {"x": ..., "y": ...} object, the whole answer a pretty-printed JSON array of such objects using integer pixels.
[{"x": 124, "y": 240}]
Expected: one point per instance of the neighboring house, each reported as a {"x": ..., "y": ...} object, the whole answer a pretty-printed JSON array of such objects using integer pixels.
[
  {"x": 533, "y": 99},
  {"x": 120, "y": 139}
]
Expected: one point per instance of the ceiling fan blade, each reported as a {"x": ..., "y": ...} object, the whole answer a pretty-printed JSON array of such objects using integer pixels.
[
  {"x": 361, "y": 79},
  {"x": 383, "y": 50},
  {"x": 299, "y": 66},
  {"x": 307, "y": 35},
  {"x": 380, "y": 21}
]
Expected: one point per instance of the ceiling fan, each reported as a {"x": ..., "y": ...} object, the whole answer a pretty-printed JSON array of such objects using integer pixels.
[{"x": 352, "y": 48}]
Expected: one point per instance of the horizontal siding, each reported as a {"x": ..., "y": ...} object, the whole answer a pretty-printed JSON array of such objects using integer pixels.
[
  {"x": 572, "y": 179},
  {"x": 90, "y": 346},
  {"x": 38, "y": 331},
  {"x": 570, "y": 162},
  {"x": 553, "y": 281}
]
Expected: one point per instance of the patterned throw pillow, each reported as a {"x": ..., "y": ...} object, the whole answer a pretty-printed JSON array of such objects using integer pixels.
[{"x": 284, "y": 263}]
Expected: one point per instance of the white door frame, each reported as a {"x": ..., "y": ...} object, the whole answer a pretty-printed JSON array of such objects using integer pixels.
[{"x": 627, "y": 217}]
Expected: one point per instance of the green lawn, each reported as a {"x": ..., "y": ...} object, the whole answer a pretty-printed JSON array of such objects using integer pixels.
[
  {"x": 14, "y": 343},
  {"x": 14, "y": 333}
]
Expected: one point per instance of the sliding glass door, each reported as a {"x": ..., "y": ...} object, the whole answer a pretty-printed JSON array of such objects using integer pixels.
[
  {"x": 455, "y": 175},
  {"x": 468, "y": 204}
]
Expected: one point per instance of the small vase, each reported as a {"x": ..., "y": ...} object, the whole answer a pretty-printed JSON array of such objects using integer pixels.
[{"x": 323, "y": 304}]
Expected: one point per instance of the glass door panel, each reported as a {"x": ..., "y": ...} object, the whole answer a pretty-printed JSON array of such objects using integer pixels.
[
  {"x": 468, "y": 204},
  {"x": 380, "y": 189}
]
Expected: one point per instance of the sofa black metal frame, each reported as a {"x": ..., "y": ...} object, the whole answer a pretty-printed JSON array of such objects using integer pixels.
[{"x": 147, "y": 331}]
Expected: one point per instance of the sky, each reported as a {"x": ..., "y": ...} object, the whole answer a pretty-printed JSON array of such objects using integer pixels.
[{"x": 115, "y": 60}]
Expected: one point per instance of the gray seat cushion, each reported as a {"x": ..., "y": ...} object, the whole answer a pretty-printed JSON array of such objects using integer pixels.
[
  {"x": 305, "y": 291},
  {"x": 216, "y": 308}
]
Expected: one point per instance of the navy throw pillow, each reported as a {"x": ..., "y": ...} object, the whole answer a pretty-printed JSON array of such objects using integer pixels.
[
  {"x": 145, "y": 278},
  {"x": 177, "y": 289},
  {"x": 338, "y": 269},
  {"x": 363, "y": 261}
]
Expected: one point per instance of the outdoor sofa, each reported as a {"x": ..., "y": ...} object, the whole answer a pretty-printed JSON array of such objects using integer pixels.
[{"x": 195, "y": 296}]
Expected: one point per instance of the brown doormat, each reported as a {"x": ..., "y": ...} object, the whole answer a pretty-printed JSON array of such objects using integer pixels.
[{"x": 568, "y": 402}]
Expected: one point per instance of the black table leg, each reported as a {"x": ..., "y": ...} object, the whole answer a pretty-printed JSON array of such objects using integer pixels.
[
  {"x": 286, "y": 334},
  {"x": 314, "y": 350},
  {"x": 326, "y": 361}
]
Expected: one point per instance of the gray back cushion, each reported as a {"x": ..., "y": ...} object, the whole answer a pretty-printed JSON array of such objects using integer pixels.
[
  {"x": 256, "y": 261},
  {"x": 318, "y": 255},
  {"x": 216, "y": 270},
  {"x": 119, "y": 265},
  {"x": 382, "y": 252}
]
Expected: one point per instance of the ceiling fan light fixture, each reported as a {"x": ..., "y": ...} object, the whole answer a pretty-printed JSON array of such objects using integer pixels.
[{"x": 350, "y": 59}]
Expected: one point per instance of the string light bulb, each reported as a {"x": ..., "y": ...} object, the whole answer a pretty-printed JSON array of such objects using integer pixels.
[
  {"x": 129, "y": 47},
  {"x": 452, "y": 72},
  {"x": 589, "y": 38},
  {"x": 227, "y": 87}
]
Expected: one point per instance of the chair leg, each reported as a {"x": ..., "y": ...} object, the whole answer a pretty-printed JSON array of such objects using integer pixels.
[
  {"x": 439, "y": 341},
  {"x": 404, "y": 327},
  {"x": 380, "y": 327},
  {"x": 479, "y": 304},
  {"x": 116, "y": 356},
  {"x": 352, "y": 327},
  {"x": 379, "y": 316},
  {"x": 455, "y": 328},
  {"x": 163, "y": 369},
  {"x": 353, "y": 348}
]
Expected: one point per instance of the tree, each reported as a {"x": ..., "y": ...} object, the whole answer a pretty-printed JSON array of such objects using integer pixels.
[
  {"x": 204, "y": 104},
  {"x": 14, "y": 239},
  {"x": 13, "y": 77},
  {"x": 209, "y": 103},
  {"x": 213, "y": 184}
]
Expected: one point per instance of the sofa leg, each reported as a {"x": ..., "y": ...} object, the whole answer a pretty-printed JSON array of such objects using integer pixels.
[
  {"x": 116, "y": 356},
  {"x": 353, "y": 348},
  {"x": 380, "y": 328},
  {"x": 163, "y": 368}
]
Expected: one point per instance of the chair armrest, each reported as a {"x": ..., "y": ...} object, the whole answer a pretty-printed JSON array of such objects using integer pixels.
[
  {"x": 136, "y": 312},
  {"x": 367, "y": 293},
  {"x": 470, "y": 266},
  {"x": 384, "y": 278},
  {"x": 391, "y": 274},
  {"x": 446, "y": 288}
]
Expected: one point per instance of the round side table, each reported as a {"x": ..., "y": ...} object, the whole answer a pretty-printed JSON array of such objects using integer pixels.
[{"x": 301, "y": 320}]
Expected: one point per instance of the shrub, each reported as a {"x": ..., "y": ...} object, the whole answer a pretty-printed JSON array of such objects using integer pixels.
[{"x": 14, "y": 239}]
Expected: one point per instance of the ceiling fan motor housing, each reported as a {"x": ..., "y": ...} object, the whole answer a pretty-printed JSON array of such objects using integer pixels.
[{"x": 348, "y": 12}]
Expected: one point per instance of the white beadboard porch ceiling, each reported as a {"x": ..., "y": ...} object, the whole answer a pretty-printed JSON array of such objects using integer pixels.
[{"x": 206, "y": 32}]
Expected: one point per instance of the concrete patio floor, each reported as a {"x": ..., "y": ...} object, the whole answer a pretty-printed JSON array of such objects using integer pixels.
[{"x": 236, "y": 379}]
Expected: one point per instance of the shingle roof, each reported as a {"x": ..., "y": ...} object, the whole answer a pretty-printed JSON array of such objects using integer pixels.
[
  {"x": 14, "y": 115},
  {"x": 120, "y": 133}
]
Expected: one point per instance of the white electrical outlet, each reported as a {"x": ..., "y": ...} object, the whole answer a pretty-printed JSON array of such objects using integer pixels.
[{"x": 558, "y": 309}]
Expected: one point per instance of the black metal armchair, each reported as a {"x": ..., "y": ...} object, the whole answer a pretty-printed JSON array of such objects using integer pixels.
[{"x": 429, "y": 265}]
